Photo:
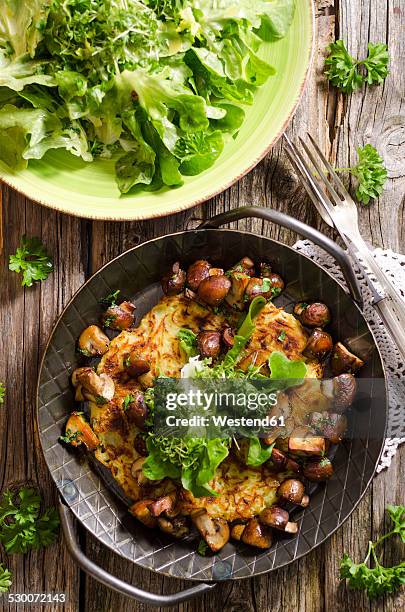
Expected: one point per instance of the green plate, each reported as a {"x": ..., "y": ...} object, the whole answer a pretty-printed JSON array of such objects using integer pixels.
[{"x": 66, "y": 183}]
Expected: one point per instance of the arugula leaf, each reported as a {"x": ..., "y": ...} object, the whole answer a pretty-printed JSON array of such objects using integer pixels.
[
  {"x": 32, "y": 259},
  {"x": 377, "y": 580},
  {"x": 285, "y": 371},
  {"x": 21, "y": 526},
  {"x": 258, "y": 454},
  {"x": 2, "y": 392},
  {"x": 187, "y": 342},
  {"x": 5, "y": 579},
  {"x": 343, "y": 69},
  {"x": 370, "y": 173}
]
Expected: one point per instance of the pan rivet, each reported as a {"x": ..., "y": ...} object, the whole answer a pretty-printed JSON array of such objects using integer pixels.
[{"x": 68, "y": 490}]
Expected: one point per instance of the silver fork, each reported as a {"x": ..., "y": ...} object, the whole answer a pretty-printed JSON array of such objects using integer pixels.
[{"x": 338, "y": 210}]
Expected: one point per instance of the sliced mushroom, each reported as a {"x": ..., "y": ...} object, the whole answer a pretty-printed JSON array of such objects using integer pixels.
[
  {"x": 135, "y": 365},
  {"x": 318, "y": 470},
  {"x": 228, "y": 336},
  {"x": 209, "y": 343},
  {"x": 119, "y": 316},
  {"x": 319, "y": 344},
  {"x": 137, "y": 411},
  {"x": 78, "y": 431},
  {"x": 141, "y": 510},
  {"x": 265, "y": 270},
  {"x": 304, "y": 442},
  {"x": 93, "y": 341},
  {"x": 214, "y": 531},
  {"x": 293, "y": 490},
  {"x": 214, "y": 289},
  {"x": 316, "y": 314},
  {"x": 237, "y": 530},
  {"x": 258, "y": 286},
  {"x": 99, "y": 387},
  {"x": 343, "y": 360},
  {"x": 176, "y": 527},
  {"x": 280, "y": 462},
  {"x": 165, "y": 503},
  {"x": 256, "y": 534},
  {"x": 236, "y": 295},
  {"x": 216, "y": 272},
  {"x": 137, "y": 472},
  {"x": 244, "y": 266},
  {"x": 278, "y": 518},
  {"x": 197, "y": 272},
  {"x": 173, "y": 282},
  {"x": 140, "y": 445},
  {"x": 344, "y": 392}
]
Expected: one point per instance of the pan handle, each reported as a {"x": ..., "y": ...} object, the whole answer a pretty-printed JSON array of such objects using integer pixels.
[
  {"x": 297, "y": 226},
  {"x": 112, "y": 582}
]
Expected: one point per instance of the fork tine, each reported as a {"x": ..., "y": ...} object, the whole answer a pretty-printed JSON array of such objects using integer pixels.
[
  {"x": 321, "y": 173},
  {"x": 317, "y": 196},
  {"x": 330, "y": 168}
]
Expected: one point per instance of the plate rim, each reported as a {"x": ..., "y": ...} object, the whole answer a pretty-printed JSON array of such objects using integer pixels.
[{"x": 172, "y": 209}]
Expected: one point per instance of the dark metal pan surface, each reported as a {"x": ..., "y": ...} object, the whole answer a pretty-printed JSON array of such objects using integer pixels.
[{"x": 87, "y": 489}]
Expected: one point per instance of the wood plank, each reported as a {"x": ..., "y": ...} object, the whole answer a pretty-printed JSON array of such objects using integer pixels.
[{"x": 26, "y": 318}]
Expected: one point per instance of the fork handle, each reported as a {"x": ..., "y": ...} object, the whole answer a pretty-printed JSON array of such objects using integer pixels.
[
  {"x": 388, "y": 288},
  {"x": 391, "y": 308}
]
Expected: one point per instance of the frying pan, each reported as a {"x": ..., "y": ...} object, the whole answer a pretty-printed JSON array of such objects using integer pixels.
[{"x": 88, "y": 493}]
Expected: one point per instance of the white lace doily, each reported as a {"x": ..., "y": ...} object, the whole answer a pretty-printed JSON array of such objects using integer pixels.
[{"x": 394, "y": 265}]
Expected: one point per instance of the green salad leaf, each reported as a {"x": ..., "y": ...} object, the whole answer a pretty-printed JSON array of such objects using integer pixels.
[{"x": 156, "y": 85}]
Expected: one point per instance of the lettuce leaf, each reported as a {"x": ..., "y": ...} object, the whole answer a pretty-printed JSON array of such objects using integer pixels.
[{"x": 183, "y": 69}]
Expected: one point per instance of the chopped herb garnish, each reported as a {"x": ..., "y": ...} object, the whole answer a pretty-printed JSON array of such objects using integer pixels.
[
  {"x": 70, "y": 436},
  {"x": 2, "y": 392},
  {"x": 110, "y": 299},
  {"x": 202, "y": 548},
  {"x": 109, "y": 320},
  {"x": 282, "y": 336},
  {"x": 127, "y": 400}
]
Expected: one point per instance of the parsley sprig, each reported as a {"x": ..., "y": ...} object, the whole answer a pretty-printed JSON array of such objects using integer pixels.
[
  {"x": 2, "y": 392},
  {"x": 378, "y": 579},
  {"x": 32, "y": 259},
  {"x": 22, "y": 528},
  {"x": 5, "y": 579},
  {"x": 110, "y": 299},
  {"x": 349, "y": 74},
  {"x": 370, "y": 173}
]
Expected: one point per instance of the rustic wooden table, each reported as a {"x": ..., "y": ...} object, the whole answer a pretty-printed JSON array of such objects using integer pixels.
[{"x": 80, "y": 247}]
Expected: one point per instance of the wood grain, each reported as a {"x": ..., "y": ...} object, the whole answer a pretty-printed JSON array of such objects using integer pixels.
[{"x": 79, "y": 248}]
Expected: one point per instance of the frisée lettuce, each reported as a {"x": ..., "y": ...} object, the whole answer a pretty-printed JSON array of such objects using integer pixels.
[{"x": 155, "y": 85}]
